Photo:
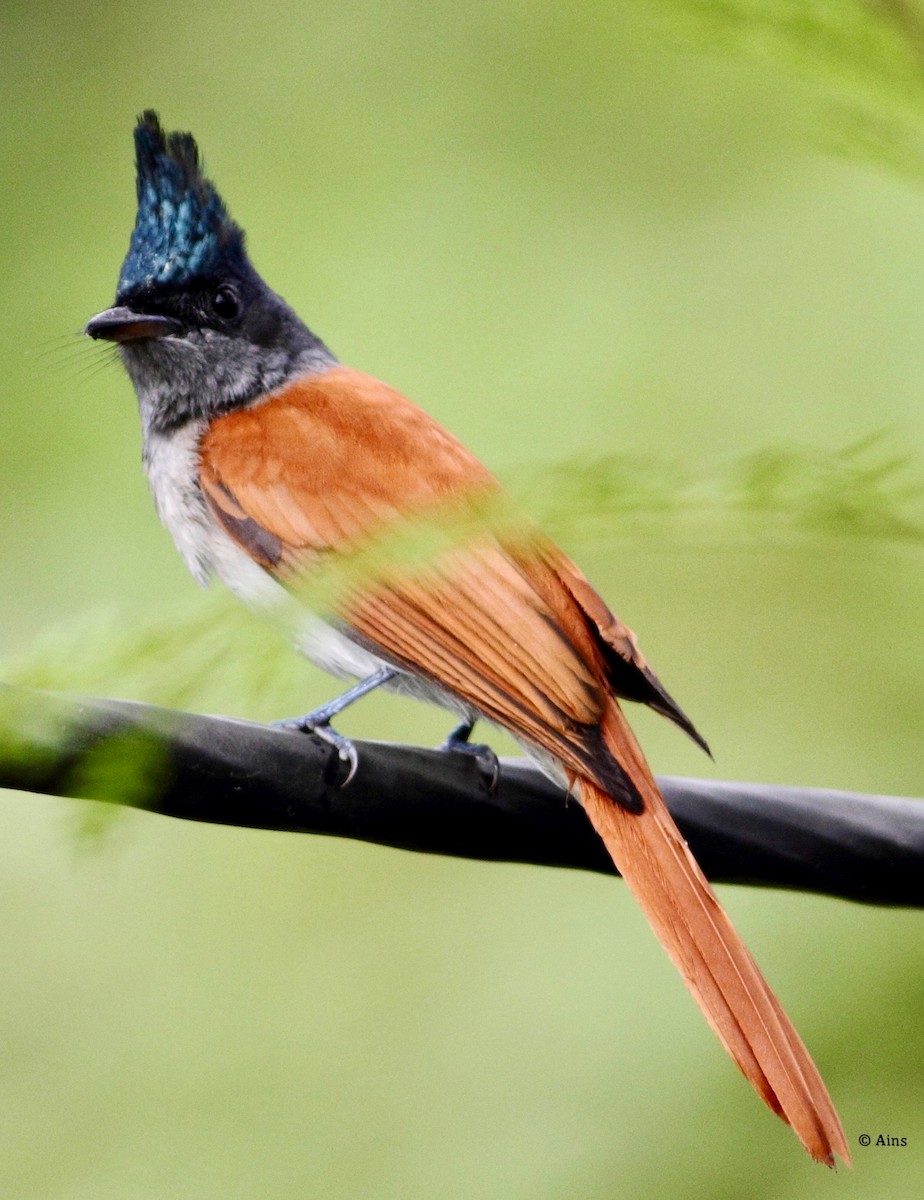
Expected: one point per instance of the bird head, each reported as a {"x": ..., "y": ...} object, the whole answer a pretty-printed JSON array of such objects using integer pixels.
[{"x": 197, "y": 328}]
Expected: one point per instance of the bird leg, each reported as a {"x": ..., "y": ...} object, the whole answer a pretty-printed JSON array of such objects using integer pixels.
[
  {"x": 484, "y": 756},
  {"x": 319, "y": 719}
]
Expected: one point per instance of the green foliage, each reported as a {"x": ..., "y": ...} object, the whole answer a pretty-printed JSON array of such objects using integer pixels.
[
  {"x": 862, "y": 62},
  {"x": 215, "y": 655},
  {"x": 124, "y": 770},
  {"x": 866, "y": 490},
  {"x": 29, "y": 733},
  {"x": 212, "y": 654}
]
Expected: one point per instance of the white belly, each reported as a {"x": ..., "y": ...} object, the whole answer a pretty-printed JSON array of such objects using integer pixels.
[{"x": 172, "y": 465}]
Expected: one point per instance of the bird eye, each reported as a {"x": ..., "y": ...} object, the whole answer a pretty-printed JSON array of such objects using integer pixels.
[{"x": 226, "y": 303}]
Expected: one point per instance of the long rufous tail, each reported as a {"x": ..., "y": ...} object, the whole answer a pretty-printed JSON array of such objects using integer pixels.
[{"x": 684, "y": 912}]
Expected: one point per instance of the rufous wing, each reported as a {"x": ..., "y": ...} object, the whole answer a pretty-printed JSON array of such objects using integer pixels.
[
  {"x": 337, "y": 461},
  {"x": 327, "y": 470}
]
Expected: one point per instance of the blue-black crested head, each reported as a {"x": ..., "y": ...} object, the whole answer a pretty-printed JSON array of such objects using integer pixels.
[
  {"x": 198, "y": 329},
  {"x": 183, "y": 231}
]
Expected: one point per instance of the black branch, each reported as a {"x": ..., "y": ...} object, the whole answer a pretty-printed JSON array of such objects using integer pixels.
[{"x": 859, "y": 847}]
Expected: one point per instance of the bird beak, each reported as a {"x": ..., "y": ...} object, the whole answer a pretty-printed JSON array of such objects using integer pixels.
[{"x": 122, "y": 325}]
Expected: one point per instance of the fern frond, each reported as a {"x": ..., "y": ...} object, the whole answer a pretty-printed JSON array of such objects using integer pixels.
[
  {"x": 215, "y": 656},
  {"x": 862, "y": 62}
]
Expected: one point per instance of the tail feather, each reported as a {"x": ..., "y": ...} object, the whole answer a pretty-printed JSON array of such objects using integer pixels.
[{"x": 684, "y": 912}]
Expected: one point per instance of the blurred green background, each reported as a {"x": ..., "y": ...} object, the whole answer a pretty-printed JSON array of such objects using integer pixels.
[{"x": 567, "y": 235}]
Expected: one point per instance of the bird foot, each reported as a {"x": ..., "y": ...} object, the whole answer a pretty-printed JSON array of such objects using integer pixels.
[
  {"x": 486, "y": 760},
  {"x": 346, "y": 751}
]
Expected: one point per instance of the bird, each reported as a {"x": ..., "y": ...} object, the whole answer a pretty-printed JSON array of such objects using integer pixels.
[{"x": 309, "y": 487}]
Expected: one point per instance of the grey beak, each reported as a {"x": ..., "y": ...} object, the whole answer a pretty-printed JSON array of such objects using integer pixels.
[{"x": 122, "y": 325}]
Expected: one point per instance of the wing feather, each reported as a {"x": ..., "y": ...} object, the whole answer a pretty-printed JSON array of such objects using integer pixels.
[
  {"x": 325, "y": 466},
  {"x": 336, "y": 461}
]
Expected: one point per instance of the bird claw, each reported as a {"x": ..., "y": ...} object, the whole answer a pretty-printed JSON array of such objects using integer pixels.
[
  {"x": 346, "y": 751},
  {"x": 485, "y": 759}
]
